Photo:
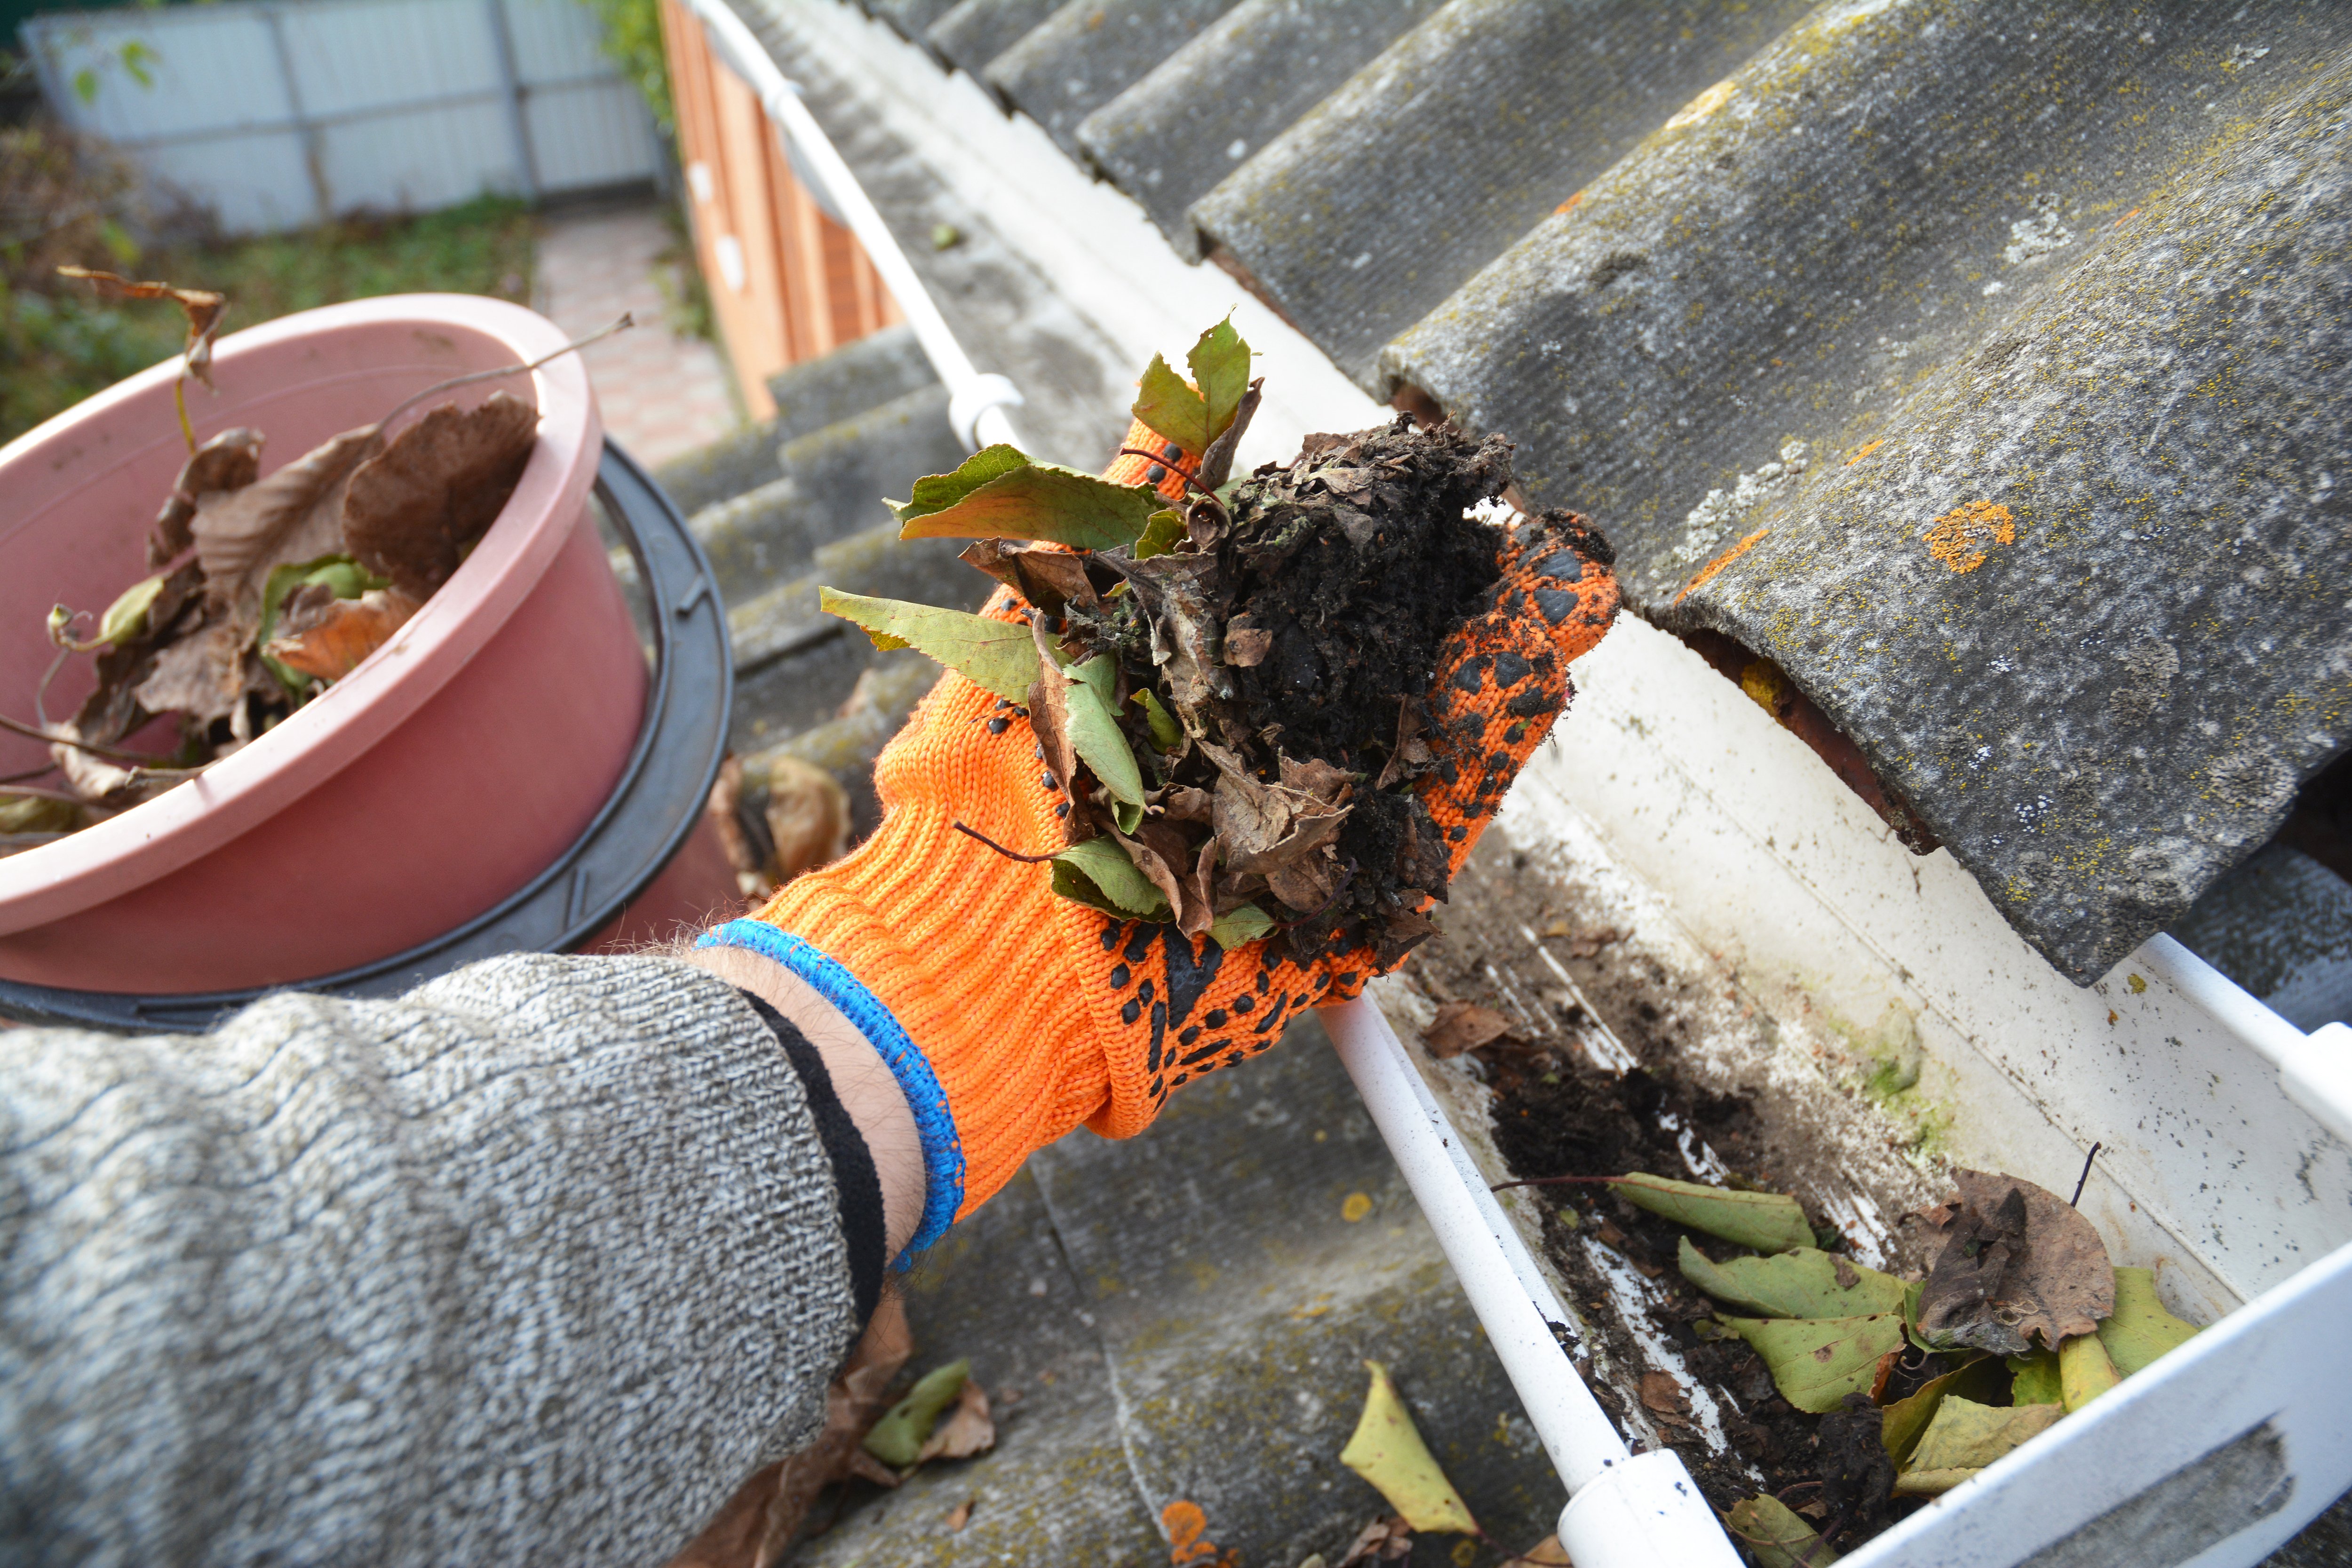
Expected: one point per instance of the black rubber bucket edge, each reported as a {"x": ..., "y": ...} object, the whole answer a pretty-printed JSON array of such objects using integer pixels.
[{"x": 653, "y": 808}]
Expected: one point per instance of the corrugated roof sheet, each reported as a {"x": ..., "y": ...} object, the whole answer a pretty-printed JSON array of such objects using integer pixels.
[
  {"x": 1977, "y": 366},
  {"x": 1090, "y": 51},
  {"x": 1178, "y": 133}
]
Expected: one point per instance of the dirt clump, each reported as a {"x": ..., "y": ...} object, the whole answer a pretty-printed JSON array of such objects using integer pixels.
[{"x": 1294, "y": 632}]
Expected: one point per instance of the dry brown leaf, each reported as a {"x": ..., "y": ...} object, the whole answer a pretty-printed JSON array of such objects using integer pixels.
[
  {"x": 807, "y": 818},
  {"x": 1247, "y": 646},
  {"x": 1545, "y": 1554},
  {"x": 229, "y": 461},
  {"x": 1662, "y": 1394},
  {"x": 965, "y": 1430},
  {"x": 436, "y": 488},
  {"x": 1052, "y": 579},
  {"x": 201, "y": 674},
  {"x": 1401, "y": 934},
  {"x": 1183, "y": 627},
  {"x": 1201, "y": 887},
  {"x": 1307, "y": 884},
  {"x": 758, "y": 1524},
  {"x": 2017, "y": 1261},
  {"x": 1331, "y": 785},
  {"x": 724, "y": 807},
  {"x": 1156, "y": 868},
  {"x": 1049, "y": 720},
  {"x": 1421, "y": 860},
  {"x": 328, "y": 641},
  {"x": 1181, "y": 803},
  {"x": 1382, "y": 1540},
  {"x": 202, "y": 308},
  {"x": 1266, "y": 827},
  {"x": 959, "y": 1515},
  {"x": 294, "y": 514},
  {"x": 1462, "y": 1026}
]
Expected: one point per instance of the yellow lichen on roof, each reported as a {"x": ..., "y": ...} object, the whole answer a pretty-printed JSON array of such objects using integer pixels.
[
  {"x": 1963, "y": 537},
  {"x": 1706, "y": 573}
]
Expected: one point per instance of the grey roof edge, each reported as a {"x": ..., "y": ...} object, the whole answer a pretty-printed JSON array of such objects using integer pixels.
[
  {"x": 1373, "y": 206},
  {"x": 2079, "y": 871}
]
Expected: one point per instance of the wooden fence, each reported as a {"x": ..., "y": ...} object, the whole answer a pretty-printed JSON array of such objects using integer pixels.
[{"x": 787, "y": 282}]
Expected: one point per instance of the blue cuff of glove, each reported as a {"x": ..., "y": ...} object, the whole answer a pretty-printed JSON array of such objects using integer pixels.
[{"x": 942, "y": 1149}]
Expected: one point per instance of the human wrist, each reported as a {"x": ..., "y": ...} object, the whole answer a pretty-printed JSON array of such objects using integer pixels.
[
  {"x": 862, "y": 1019},
  {"x": 865, "y": 1088}
]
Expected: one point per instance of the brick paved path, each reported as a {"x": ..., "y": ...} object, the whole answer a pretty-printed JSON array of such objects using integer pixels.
[{"x": 662, "y": 394}]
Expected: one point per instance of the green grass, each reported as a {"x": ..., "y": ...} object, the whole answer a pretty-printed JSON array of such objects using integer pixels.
[{"x": 59, "y": 343}]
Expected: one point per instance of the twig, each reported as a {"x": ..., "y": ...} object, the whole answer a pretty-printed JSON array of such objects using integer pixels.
[
  {"x": 112, "y": 753},
  {"x": 28, "y": 773},
  {"x": 627, "y": 320},
  {"x": 2084, "y": 1180},
  {"x": 1558, "y": 1182},
  {"x": 41, "y": 692},
  {"x": 1174, "y": 467},
  {"x": 1001, "y": 849}
]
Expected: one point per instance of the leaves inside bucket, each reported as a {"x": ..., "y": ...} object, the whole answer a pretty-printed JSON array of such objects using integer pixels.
[{"x": 262, "y": 591}]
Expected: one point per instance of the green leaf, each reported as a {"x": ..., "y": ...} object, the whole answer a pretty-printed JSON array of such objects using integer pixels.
[
  {"x": 1098, "y": 874},
  {"x": 1220, "y": 362},
  {"x": 2140, "y": 1330},
  {"x": 126, "y": 616},
  {"x": 135, "y": 55},
  {"x": 998, "y": 656},
  {"x": 36, "y": 814},
  {"x": 1166, "y": 733},
  {"x": 1901, "y": 1423},
  {"x": 1166, "y": 404},
  {"x": 898, "y": 1438},
  {"x": 2034, "y": 1378},
  {"x": 1163, "y": 532},
  {"x": 2084, "y": 1373},
  {"x": 1036, "y": 500},
  {"x": 1775, "y": 1536},
  {"x": 1387, "y": 1451},
  {"x": 1802, "y": 1283},
  {"x": 1817, "y": 1361},
  {"x": 85, "y": 83},
  {"x": 936, "y": 492},
  {"x": 1767, "y": 1222},
  {"x": 1238, "y": 928},
  {"x": 1964, "y": 1438},
  {"x": 1095, "y": 733}
]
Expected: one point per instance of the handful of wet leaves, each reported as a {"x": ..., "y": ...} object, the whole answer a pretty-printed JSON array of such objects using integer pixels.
[
  {"x": 1919, "y": 1384},
  {"x": 262, "y": 593},
  {"x": 1227, "y": 695}
]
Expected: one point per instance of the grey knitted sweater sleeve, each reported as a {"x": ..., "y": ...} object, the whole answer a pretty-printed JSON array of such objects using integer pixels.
[{"x": 532, "y": 1265}]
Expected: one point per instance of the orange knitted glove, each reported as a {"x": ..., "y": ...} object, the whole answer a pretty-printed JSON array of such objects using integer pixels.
[{"x": 1011, "y": 1014}]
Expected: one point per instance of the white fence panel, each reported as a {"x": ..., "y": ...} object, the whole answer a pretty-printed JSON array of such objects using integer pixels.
[{"x": 277, "y": 114}]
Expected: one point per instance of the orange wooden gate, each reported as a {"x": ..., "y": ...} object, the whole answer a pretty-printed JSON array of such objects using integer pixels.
[{"x": 787, "y": 283}]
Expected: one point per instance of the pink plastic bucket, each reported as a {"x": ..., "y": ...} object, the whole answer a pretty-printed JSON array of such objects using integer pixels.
[{"x": 442, "y": 774}]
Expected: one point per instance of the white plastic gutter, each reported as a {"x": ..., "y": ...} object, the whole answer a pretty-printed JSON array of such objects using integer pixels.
[
  {"x": 976, "y": 399},
  {"x": 1624, "y": 1507},
  {"x": 2315, "y": 1069}
]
